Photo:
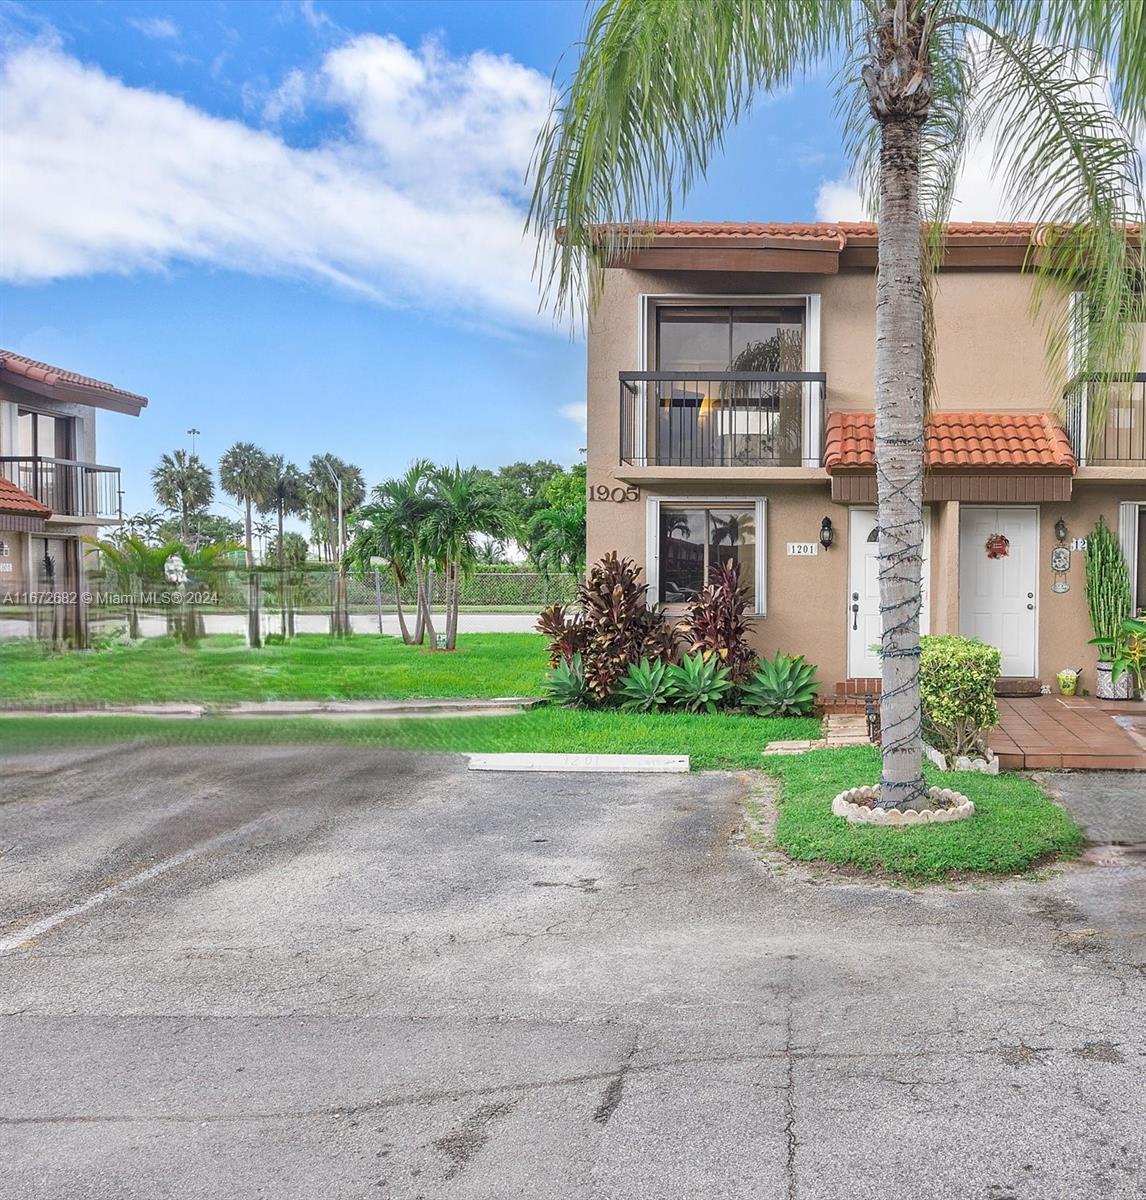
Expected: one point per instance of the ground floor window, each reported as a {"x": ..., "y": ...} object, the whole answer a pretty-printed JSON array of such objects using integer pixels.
[
  {"x": 695, "y": 539},
  {"x": 1139, "y": 568}
]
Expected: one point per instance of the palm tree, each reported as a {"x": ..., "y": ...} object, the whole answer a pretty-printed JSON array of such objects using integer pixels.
[
  {"x": 460, "y": 508},
  {"x": 399, "y": 516},
  {"x": 658, "y": 85},
  {"x": 244, "y": 470},
  {"x": 146, "y": 524},
  {"x": 283, "y": 493},
  {"x": 557, "y": 538},
  {"x": 244, "y": 473},
  {"x": 183, "y": 484},
  {"x": 132, "y": 564}
]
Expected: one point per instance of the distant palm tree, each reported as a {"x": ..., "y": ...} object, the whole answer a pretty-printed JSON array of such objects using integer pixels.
[
  {"x": 557, "y": 538},
  {"x": 658, "y": 87},
  {"x": 399, "y": 515},
  {"x": 460, "y": 508},
  {"x": 284, "y": 493},
  {"x": 146, "y": 524},
  {"x": 132, "y": 565},
  {"x": 183, "y": 484},
  {"x": 244, "y": 473}
]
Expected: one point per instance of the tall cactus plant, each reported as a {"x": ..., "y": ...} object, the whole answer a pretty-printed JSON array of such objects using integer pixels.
[{"x": 1107, "y": 583}]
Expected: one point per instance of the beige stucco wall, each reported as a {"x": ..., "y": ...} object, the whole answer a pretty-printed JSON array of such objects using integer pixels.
[{"x": 990, "y": 357}]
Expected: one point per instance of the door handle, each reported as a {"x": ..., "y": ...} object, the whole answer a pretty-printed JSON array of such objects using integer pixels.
[
  {"x": 855, "y": 616},
  {"x": 1031, "y": 607}
]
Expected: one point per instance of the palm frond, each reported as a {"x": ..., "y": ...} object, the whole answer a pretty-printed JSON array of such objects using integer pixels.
[
  {"x": 1067, "y": 160},
  {"x": 656, "y": 88}
]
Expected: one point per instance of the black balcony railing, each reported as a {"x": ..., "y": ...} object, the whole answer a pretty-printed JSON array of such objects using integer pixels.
[
  {"x": 1120, "y": 438},
  {"x": 722, "y": 419},
  {"x": 67, "y": 487}
]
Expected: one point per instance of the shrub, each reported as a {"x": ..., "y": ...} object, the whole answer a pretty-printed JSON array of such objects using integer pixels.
[
  {"x": 646, "y": 686},
  {"x": 784, "y": 686},
  {"x": 957, "y": 677},
  {"x": 566, "y": 634},
  {"x": 717, "y": 621},
  {"x": 614, "y": 628},
  {"x": 566, "y": 684},
  {"x": 700, "y": 683}
]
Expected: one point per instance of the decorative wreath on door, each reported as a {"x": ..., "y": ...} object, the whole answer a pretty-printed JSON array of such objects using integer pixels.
[{"x": 998, "y": 545}]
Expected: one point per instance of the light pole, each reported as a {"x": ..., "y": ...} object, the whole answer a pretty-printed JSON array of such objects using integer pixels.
[
  {"x": 194, "y": 434},
  {"x": 343, "y": 615}
]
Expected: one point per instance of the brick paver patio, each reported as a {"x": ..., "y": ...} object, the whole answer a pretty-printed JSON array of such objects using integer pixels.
[{"x": 1050, "y": 732}]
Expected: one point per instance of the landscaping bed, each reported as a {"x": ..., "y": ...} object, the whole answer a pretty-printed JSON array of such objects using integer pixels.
[{"x": 1016, "y": 826}]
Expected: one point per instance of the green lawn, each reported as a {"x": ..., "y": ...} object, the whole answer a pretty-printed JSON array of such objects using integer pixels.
[
  {"x": 717, "y": 741},
  {"x": 311, "y": 667},
  {"x": 1015, "y": 825}
]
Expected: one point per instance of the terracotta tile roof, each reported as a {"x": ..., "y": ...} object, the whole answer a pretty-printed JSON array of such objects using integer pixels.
[
  {"x": 16, "y": 501},
  {"x": 957, "y": 440},
  {"x": 71, "y": 382},
  {"x": 824, "y": 230}
]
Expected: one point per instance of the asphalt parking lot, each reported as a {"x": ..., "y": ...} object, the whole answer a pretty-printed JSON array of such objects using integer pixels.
[{"x": 229, "y": 972}]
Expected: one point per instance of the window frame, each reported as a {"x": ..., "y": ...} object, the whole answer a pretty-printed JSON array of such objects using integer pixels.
[{"x": 759, "y": 505}]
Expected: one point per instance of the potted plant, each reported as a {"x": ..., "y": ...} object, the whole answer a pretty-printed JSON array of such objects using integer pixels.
[
  {"x": 1108, "y": 597},
  {"x": 1127, "y": 650}
]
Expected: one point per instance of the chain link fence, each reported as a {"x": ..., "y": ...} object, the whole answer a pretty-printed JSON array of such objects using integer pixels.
[{"x": 304, "y": 600}]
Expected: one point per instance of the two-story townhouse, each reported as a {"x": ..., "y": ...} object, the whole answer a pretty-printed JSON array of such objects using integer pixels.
[
  {"x": 730, "y": 411},
  {"x": 54, "y": 491}
]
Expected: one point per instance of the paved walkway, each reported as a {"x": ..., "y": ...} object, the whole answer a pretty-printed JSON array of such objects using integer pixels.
[{"x": 1075, "y": 732}]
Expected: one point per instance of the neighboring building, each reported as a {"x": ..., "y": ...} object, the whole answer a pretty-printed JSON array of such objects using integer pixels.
[
  {"x": 54, "y": 491},
  {"x": 730, "y": 379}
]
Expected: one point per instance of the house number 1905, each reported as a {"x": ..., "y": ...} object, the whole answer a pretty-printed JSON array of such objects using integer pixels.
[{"x": 616, "y": 495}]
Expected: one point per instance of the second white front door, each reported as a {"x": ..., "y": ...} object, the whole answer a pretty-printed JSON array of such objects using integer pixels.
[
  {"x": 998, "y": 582},
  {"x": 863, "y": 591}
]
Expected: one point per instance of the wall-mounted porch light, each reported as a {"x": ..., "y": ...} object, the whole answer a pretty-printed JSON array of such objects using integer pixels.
[
  {"x": 827, "y": 533},
  {"x": 1060, "y": 530}
]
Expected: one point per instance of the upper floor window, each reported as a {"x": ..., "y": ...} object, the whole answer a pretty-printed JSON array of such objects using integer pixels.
[
  {"x": 41, "y": 435},
  {"x": 696, "y": 339}
]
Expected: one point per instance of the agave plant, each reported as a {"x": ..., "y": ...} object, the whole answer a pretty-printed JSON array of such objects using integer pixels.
[
  {"x": 565, "y": 684},
  {"x": 646, "y": 686},
  {"x": 700, "y": 682},
  {"x": 784, "y": 686}
]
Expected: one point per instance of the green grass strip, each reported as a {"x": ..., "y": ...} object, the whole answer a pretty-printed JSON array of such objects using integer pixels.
[{"x": 1016, "y": 825}]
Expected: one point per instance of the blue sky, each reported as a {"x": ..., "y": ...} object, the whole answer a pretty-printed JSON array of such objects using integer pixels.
[{"x": 300, "y": 224}]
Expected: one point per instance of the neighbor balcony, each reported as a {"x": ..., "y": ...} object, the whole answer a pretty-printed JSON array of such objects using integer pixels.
[
  {"x": 730, "y": 419},
  {"x": 85, "y": 491},
  {"x": 1120, "y": 441}
]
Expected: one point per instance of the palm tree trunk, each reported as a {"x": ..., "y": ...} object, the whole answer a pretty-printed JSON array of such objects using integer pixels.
[
  {"x": 282, "y": 576},
  {"x": 420, "y": 602},
  {"x": 454, "y": 600},
  {"x": 899, "y": 459},
  {"x": 399, "y": 611},
  {"x": 247, "y": 535},
  {"x": 428, "y": 606}
]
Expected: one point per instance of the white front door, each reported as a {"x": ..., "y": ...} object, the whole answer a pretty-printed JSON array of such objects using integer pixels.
[
  {"x": 863, "y": 591},
  {"x": 998, "y": 582}
]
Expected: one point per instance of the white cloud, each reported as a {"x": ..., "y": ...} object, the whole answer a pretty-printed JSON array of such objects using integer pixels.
[
  {"x": 154, "y": 27},
  {"x": 423, "y": 203},
  {"x": 575, "y": 412}
]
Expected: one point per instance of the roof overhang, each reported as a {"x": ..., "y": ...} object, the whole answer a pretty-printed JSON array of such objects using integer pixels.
[
  {"x": 969, "y": 487},
  {"x": 40, "y": 379}
]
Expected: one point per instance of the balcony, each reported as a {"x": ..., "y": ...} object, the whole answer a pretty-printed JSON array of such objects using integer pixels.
[
  {"x": 69, "y": 488},
  {"x": 1121, "y": 439},
  {"x": 723, "y": 419}
]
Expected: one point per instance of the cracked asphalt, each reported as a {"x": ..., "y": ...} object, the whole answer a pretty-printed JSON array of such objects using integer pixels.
[{"x": 303, "y": 972}]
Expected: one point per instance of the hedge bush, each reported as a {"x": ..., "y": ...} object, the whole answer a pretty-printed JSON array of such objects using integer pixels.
[{"x": 957, "y": 677}]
